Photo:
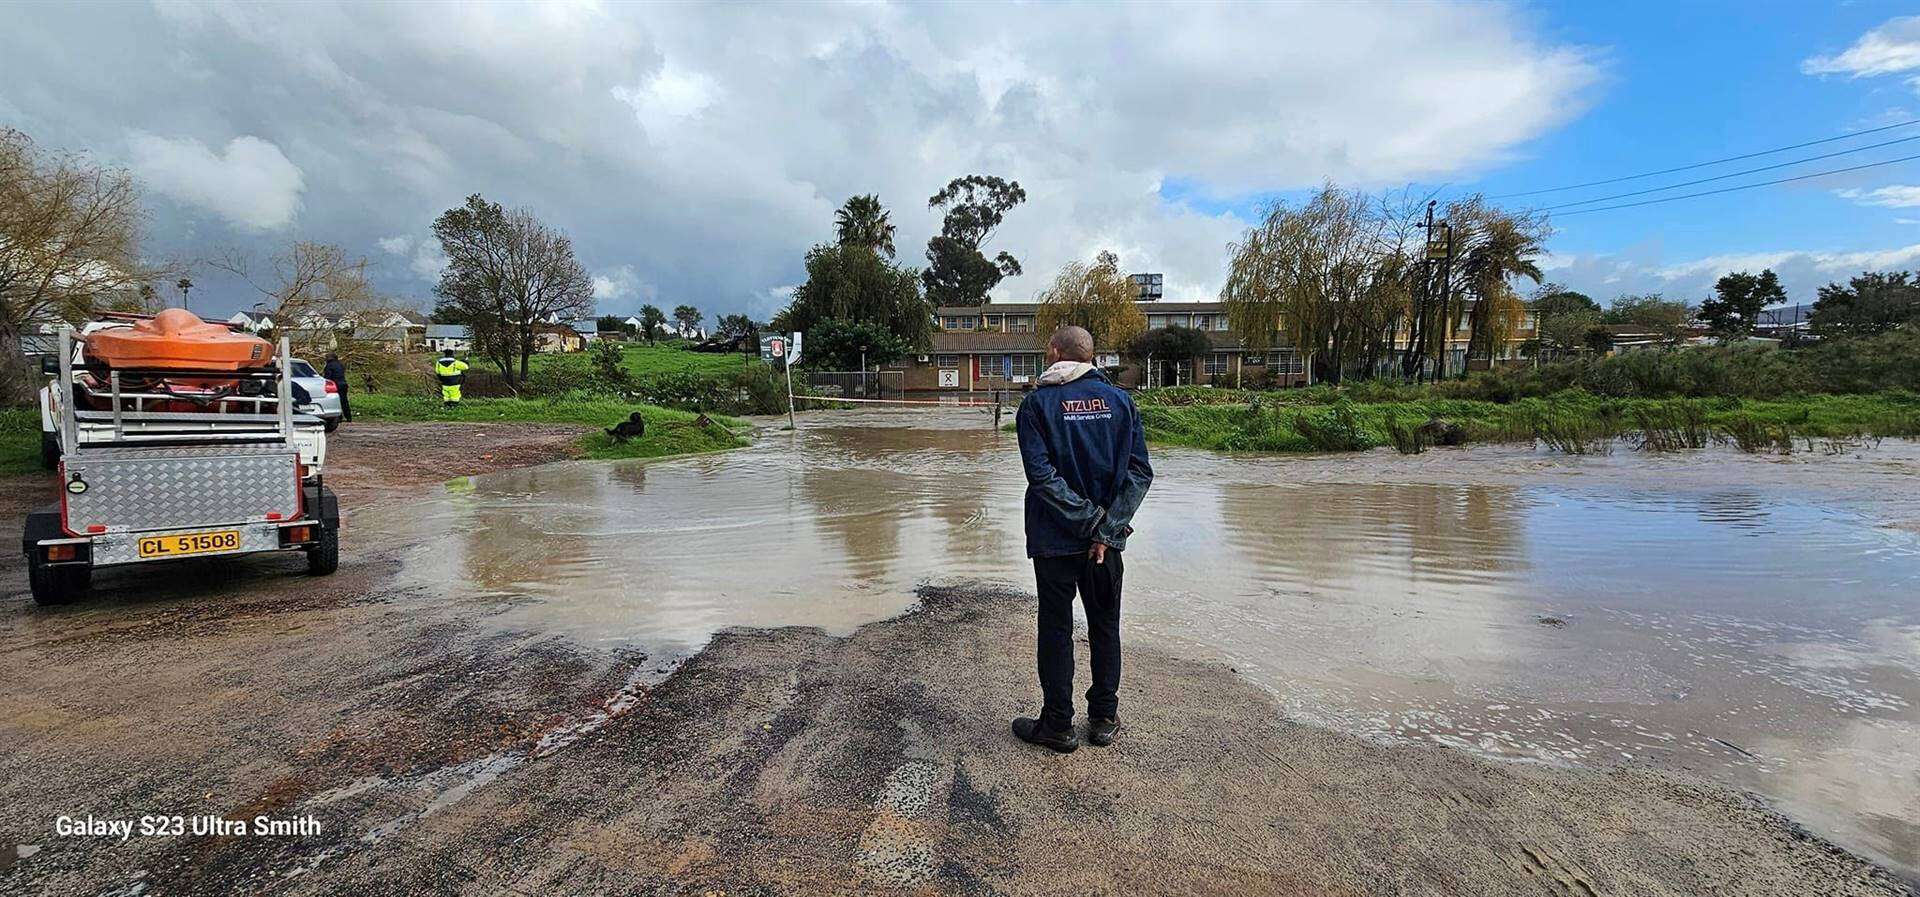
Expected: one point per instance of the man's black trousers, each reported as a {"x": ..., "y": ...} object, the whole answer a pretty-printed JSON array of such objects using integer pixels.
[{"x": 1099, "y": 588}]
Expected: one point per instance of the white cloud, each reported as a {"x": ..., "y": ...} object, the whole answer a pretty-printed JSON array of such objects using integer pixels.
[
  {"x": 708, "y": 146},
  {"x": 1893, "y": 196},
  {"x": 423, "y": 257},
  {"x": 1889, "y": 49},
  {"x": 251, "y": 183},
  {"x": 397, "y": 245},
  {"x": 620, "y": 283}
]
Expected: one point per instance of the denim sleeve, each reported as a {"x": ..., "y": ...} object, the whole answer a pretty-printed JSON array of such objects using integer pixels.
[
  {"x": 1078, "y": 514},
  {"x": 1118, "y": 523}
]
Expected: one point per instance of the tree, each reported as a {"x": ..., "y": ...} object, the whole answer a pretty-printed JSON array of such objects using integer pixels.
[
  {"x": 309, "y": 290},
  {"x": 1873, "y": 302},
  {"x": 507, "y": 274},
  {"x": 687, "y": 317},
  {"x": 739, "y": 328},
  {"x": 1494, "y": 248},
  {"x": 1563, "y": 317},
  {"x": 855, "y": 283},
  {"x": 1665, "y": 318},
  {"x": 1173, "y": 345},
  {"x": 611, "y": 324},
  {"x": 862, "y": 222},
  {"x": 1098, "y": 297},
  {"x": 840, "y": 344},
  {"x": 1737, "y": 300},
  {"x": 69, "y": 244},
  {"x": 958, "y": 273},
  {"x": 1332, "y": 273},
  {"x": 651, "y": 320}
]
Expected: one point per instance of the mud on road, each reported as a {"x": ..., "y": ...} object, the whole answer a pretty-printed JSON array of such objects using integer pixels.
[{"x": 442, "y": 754}]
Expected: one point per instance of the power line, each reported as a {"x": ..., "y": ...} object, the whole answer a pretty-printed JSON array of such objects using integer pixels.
[
  {"x": 1648, "y": 202},
  {"x": 1722, "y": 177},
  {"x": 1635, "y": 177}
]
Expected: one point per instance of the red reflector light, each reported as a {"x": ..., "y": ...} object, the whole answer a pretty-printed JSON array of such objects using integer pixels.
[
  {"x": 62, "y": 552},
  {"x": 332, "y": 387},
  {"x": 96, "y": 528},
  {"x": 273, "y": 515}
]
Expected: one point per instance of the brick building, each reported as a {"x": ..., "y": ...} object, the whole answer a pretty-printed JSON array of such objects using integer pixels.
[{"x": 982, "y": 348}]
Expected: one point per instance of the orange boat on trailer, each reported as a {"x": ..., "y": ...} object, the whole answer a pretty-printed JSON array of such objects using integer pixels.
[{"x": 177, "y": 338}]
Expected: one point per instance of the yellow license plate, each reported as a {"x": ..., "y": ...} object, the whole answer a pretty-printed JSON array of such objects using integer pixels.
[{"x": 182, "y": 544}]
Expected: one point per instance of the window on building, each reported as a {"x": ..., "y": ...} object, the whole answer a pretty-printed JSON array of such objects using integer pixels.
[
  {"x": 1282, "y": 362},
  {"x": 1217, "y": 363},
  {"x": 1156, "y": 322},
  {"x": 949, "y": 361},
  {"x": 1025, "y": 366},
  {"x": 1209, "y": 322},
  {"x": 1019, "y": 323},
  {"x": 993, "y": 322}
]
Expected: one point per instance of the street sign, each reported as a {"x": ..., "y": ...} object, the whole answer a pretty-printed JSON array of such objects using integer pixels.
[{"x": 793, "y": 349}]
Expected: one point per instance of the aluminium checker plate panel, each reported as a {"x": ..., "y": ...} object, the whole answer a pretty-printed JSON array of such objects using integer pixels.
[{"x": 135, "y": 490}]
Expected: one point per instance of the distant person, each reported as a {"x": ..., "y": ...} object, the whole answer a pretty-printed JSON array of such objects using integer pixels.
[
  {"x": 1087, "y": 472},
  {"x": 336, "y": 373},
  {"x": 451, "y": 372}
]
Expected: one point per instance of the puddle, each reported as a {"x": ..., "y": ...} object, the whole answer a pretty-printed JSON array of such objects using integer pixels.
[{"x": 1751, "y": 619}]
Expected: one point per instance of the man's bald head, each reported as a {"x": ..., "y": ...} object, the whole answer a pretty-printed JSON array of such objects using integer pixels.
[{"x": 1071, "y": 343}]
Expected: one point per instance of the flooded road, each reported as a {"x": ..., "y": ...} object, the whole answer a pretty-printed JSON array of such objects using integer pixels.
[{"x": 1753, "y": 620}]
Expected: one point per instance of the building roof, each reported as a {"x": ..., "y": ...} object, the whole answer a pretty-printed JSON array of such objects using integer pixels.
[
  {"x": 962, "y": 341},
  {"x": 448, "y": 331}
]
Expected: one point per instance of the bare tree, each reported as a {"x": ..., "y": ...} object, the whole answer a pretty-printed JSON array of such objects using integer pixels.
[
  {"x": 507, "y": 276},
  {"x": 69, "y": 244},
  {"x": 1098, "y": 297},
  {"x": 312, "y": 291}
]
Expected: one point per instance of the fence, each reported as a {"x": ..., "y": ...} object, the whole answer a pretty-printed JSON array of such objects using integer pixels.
[{"x": 858, "y": 384}]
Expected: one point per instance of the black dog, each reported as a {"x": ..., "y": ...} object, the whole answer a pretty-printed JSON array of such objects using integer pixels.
[{"x": 633, "y": 427}]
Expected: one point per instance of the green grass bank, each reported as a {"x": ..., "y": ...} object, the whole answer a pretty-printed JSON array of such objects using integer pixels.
[
  {"x": 1327, "y": 419},
  {"x": 19, "y": 440},
  {"x": 669, "y": 431}
]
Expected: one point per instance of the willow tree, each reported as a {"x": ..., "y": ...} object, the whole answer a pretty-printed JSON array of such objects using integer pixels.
[
  {"x": 1305, "y": 272},
  {"x": 1098, "y": 297},
  {"x": 69, "y": 244}
]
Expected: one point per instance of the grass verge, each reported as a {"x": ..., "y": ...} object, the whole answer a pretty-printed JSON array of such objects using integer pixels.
[
  {"x": 1571, "y": 421},
  {"x": 669, "y": 431},
  {"x": 19, "y": 440}
]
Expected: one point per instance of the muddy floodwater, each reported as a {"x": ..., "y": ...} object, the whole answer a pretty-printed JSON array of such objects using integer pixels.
[{"x": 1753, "y": 620}]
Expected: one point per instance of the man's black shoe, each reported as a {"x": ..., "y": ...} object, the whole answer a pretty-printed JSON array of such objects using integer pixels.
[
  {"x": 1031, "y": 732},
  {"x": 1100, "y": 732}
]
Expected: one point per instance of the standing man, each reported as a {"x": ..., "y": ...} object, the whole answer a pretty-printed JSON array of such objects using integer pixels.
[
  {"x": 1087, "y": 471},
  {"x": 336, "y": 373},
  {"x": 452, "y": 372}
]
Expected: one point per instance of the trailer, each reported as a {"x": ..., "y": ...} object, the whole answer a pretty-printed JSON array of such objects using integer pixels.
[{"x": 238, "y": 472}]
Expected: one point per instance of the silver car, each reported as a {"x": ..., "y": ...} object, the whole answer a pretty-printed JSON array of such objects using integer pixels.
[{"x": 324, "y": 401}]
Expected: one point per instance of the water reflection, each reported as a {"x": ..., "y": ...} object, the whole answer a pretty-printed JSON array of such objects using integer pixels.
[{"x": 1760, "y": 624}]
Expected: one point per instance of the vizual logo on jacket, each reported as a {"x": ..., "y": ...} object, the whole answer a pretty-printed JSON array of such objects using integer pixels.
[{"x": 1083, "y": 410}]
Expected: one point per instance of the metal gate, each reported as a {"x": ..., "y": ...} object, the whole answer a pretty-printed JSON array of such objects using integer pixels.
[{"x": 858, "y": 384}]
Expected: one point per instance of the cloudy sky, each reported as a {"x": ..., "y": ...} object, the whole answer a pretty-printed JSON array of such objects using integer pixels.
[{"x": 694, "y": 152}]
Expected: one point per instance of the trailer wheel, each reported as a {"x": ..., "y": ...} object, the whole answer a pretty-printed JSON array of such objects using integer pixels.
[
  {"x": 58, "y": 585},
  {"x": 49, "y": 451},
  {"x": 323, "y": 557}
]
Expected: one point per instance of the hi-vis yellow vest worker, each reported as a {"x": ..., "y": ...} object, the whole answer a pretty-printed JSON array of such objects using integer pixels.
[{"x": 452, "y": 372}]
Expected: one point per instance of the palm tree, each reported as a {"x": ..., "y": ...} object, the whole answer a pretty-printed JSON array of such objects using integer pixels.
[
  {"x": 1507, "y": 248},
  {"x": 862, "y": 222}
]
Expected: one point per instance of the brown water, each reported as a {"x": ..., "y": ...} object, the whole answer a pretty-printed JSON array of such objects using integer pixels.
[{"x": 1754, "y": 620}]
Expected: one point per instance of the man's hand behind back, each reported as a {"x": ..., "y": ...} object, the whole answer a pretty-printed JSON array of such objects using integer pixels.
[{"x": 1098, "y": 551}]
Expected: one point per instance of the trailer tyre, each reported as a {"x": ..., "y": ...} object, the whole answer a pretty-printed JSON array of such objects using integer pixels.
[
  {"x": 49, "y": 451},
  {"x": 324, "y": 556},
  {"x": 58, "y": 585}
]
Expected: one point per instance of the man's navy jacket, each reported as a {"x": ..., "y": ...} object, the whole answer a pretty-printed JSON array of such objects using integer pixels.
[{"x": 1086, "y": 460}]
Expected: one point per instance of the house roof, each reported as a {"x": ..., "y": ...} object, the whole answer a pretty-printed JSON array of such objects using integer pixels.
[{"x": 447, "y": 331}]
